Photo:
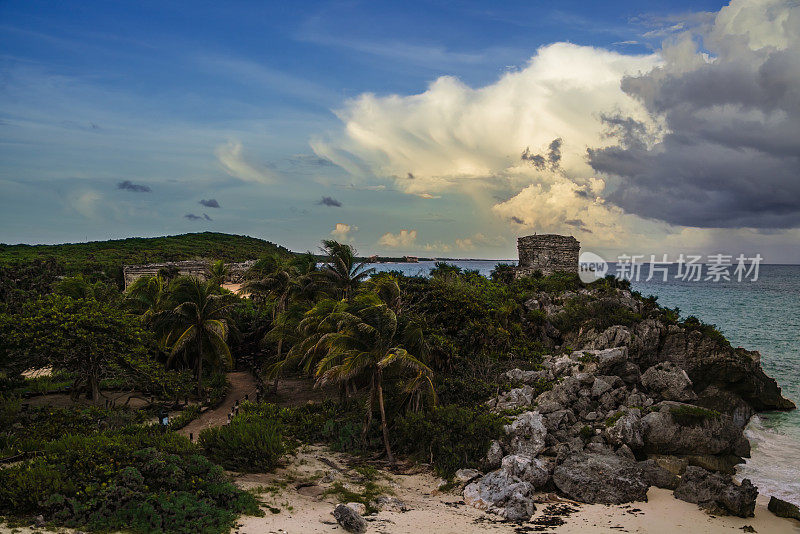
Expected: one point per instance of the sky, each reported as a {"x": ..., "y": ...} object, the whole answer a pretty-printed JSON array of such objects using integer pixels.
[{"x": 433, "y": 128}]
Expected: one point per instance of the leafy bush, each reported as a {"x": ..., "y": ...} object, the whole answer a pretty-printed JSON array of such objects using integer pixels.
[
  {"x": 336, "y": 424},
  {"x": 692, "y": 415},
  {"x": 249, "y": 443},
  {"x": 138, "y": 479},
  {"x": 449, "y": 437},
  {"x": 599, "y": 314},
  {"x": 28, "y": 430},
  {"x": 708, "y": 330}
]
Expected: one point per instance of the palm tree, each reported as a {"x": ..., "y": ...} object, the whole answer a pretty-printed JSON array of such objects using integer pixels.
[
  {"x": 148, "y": 297},
  {"x": 199, "y": 323},
  {"x": 281, "y": 279},
  {"x": 366, "y": 346},
  {"x": 342, "y": 273},
  {"x": 218, "y": 272}
]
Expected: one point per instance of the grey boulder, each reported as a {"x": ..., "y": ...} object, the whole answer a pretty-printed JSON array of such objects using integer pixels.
[
  {"x": 502, "y": 493},
  {"x": 627, "y": 430},
  {"x": 657, "y": 476},
  {"x": 527, "y": 432},
  {"x": 669, "y": 381},
  {"x": 527, "y": 469},
  {"x": 717, "y": 493},
  {"x": 601, "y": 478},
  {"x": 782, "y": 508},
  {"x": 349, "y": 519},
  {"x": 676, "y": 428}
]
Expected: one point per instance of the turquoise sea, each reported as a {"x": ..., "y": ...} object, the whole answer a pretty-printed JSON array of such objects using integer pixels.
[{"x": 763, "y": 315}]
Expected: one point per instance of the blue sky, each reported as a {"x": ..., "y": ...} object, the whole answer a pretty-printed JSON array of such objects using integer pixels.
[{"x": 267, "y": 107}]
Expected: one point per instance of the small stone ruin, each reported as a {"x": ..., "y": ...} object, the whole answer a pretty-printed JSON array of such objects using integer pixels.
[{"x": 547, "y": 253}]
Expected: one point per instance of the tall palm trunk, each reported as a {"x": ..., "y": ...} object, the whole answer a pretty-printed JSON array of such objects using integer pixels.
[
  {"x": 200, "y": 370},
  {"x": 370, "y": 406},
  {"x": 383, "y": 419},
  {"x": 277, "y": 375}
]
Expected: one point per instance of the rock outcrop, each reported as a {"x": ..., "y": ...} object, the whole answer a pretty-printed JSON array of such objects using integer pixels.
[
  {"x": 601, "y": 478},
  {"x": 717, "y": 493},
  {"x": 782, "y": 508},
  {"x": 639, "y": 405}
]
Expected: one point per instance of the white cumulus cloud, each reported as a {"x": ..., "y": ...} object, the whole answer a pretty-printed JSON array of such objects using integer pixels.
[
  {"x": 342, "y": 231},
  {"x": 402, "y": 239}
]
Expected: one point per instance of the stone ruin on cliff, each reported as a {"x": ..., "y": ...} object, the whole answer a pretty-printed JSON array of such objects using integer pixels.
[
  {"x": 197, "y": 268},
  {"x": 547, "y": 253}
]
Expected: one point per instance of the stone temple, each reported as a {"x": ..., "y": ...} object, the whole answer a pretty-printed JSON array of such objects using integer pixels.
[
  {"x": 197, "y": 268},
  {"x": 548, "y": 253}
]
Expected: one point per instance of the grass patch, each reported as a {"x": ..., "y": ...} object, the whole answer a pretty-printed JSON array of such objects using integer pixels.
[{"x": 366, "y": 495}]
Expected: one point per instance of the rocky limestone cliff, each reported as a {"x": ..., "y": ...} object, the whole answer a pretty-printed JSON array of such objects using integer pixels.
[{"x": 648, "y": 402}]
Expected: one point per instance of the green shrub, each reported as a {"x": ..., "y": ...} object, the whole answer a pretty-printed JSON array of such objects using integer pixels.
[
  {"x": 249, "y": 443},
  {"x": 188, "y": 415},
  {"x": 692, "y": 415},
  {"x": 449, "y": 437},
  {"x": 137, "y": 479}
]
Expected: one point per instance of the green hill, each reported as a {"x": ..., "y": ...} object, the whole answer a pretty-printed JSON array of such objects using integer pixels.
[{"x": 135, "y": 250}]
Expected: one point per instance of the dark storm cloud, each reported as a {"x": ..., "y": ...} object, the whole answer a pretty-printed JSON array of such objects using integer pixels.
[
  {"x": 731, "y": 157},
  {"x": 127, "y": 185},
  {"x": 210, "y": 203},
  {"x": 551, "y": 160},
  {"x": 577, "y": 223},
  {"x": 193, "y": 217},
  {"x": 330, "y": 201}
]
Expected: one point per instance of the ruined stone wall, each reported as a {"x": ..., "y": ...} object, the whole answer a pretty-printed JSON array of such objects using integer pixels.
[
  {"x": 547, "y": 253},
  {"x": 196, "y": 268}
]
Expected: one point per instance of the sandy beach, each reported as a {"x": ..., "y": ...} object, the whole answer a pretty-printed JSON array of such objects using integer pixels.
[{"x": 297, "y": 490}]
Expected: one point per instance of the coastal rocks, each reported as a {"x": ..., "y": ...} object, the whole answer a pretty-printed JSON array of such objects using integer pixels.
[
  {"x": 611, "y": 360},
  {"x": 349, "y": 519},
  {"x": 627, "y": 430},
  {"x": 726, "y": 402},
  {"x": 527, "y": 434},
  {"x": 716, "y": 493},
  {"x": 465, "y": 476},
  {"x": 708, "y": 361},
  {"x": 502, "y": 493},
  {"x": 527, "y": 377},
  {"x": 495, "y": 454},
  {"x": 782, "y": 508},
  {"x": 669, "y": 381},
  {"x": 601, "y": 478},
  {"x": 527, "y": 469},
  {"x": 657, "y": 476},
  {"x": 676, "y": 428},
  {"x": 511, "y": 400}
]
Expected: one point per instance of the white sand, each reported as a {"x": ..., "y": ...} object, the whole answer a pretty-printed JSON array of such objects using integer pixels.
[{"x": 446, "y": 513}]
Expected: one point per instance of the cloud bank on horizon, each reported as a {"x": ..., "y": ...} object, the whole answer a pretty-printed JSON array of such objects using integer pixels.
[
  {"x": 672, "y": 130},
  {"x": 619, "y": 149}
]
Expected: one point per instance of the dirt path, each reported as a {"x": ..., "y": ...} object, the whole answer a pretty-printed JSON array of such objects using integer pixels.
[{"x": 242, "y": 384}]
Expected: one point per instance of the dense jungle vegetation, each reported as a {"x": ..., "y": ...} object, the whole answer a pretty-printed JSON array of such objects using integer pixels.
[
  {"x": 107, "y": 257},
  {"x": 414, "y": 359}
]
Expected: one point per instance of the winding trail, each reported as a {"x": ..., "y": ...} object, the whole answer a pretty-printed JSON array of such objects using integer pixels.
[{"x": 242, "y": 383}]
